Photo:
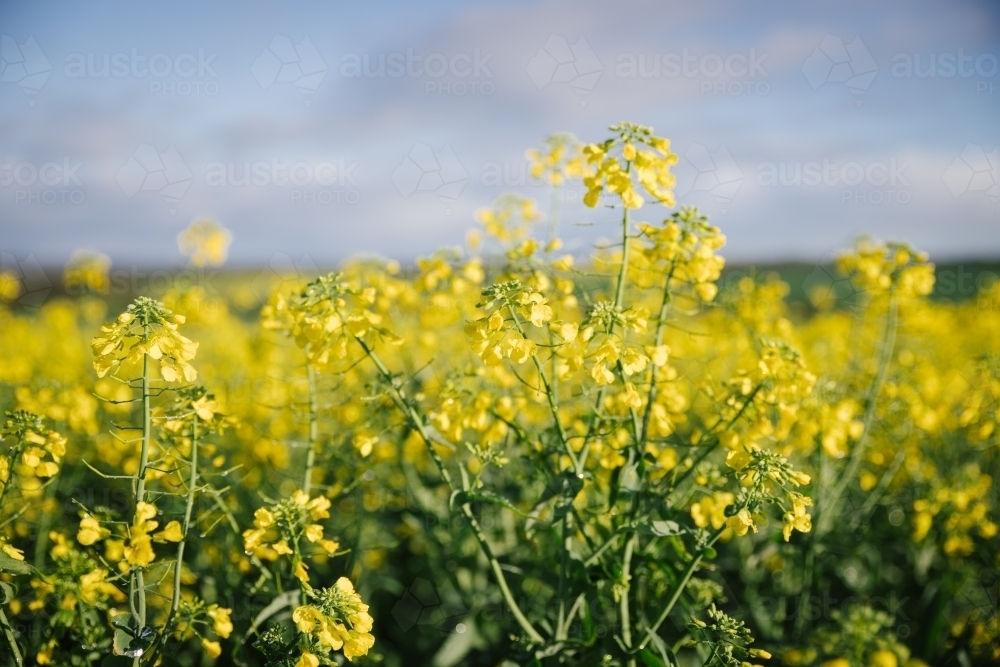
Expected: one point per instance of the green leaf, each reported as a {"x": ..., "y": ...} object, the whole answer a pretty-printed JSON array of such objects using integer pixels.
[
  {"x": 650, "y": 659},
  {"x": 666, "y": 528},
  {"x": 7, "y": 592},
  {"x": 464, "y": 497},
  {"x": 666, "y": 655},
  {"x": 8, "y": 564},
  {"x": 286, "y": 599},
  {"x": 130, "y": 641},
  {"x": 116, "y": 661},
  {"x": 710, "y": 553}
]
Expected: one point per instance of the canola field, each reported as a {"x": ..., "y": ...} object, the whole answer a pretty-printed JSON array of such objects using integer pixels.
[{"x": 505, "y": 454}]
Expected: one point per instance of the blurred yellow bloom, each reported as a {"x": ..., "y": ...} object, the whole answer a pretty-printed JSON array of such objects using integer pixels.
[
  {"x": 883, "y": 658},
  {"x": 221, "y": 623},
  {"x": 205, "y": 242},
  {"x": 212, "y": 649}
]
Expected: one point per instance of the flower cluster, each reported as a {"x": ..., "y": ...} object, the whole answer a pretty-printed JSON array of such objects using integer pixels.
[
  {"x": 278, "y": 529},
  {"x": 501, "y": 335},
  {"x": 683, "y": 248},
  {"x": 87, "y": 272},
  {"x": 146, "y": 328},
  {"x": 728, "y": 638},
  {"x": 205, "y": 242},
  {"x": 635, "y": 151},
  {"x": 878, "y": 267},
  {"x": 35, "y": 452},
  {"x": 325, "y": 316},
  {"x": 560, "y": 158},
  {"x": 764, "y": 474},
  {"x": 336, "y": 619},
  {"x": 509, "y": 219}
]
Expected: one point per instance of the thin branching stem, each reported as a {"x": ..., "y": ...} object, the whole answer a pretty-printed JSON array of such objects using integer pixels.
[
  {"x": 417, "y": 421},
  {"x": 313, "y": 430}
]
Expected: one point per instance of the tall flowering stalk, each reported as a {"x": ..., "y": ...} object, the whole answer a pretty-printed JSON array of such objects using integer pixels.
[
  {"x": 32, "y": 457},
  {"x": 145, "y": 334}
]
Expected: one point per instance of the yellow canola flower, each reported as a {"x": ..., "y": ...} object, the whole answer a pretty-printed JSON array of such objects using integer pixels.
[
  {"x": 601, "y": 374},
  {"x": 147, "y": 327},
  {"x": 307, "y": 660},
  {"x": 139, "y": 550},
  {"x": 44, "y": 656},
  {"x": 711, "y": 509},
  {"x": 212, "y": 649},
  {"x": 171, "y": 533},
  {"x": 741, "y": 522},
  {"x": 46, "y": 469},
  {"x": 631, "y": 397},
  {"x": 221, "y": 621},
  {"x": 883, "y": 658},
  {"x": 94, "y": 585},
  {"x": 91, "y": 531},
  {"x": 12, "y": 551},
  {"x": 738, "y": 459},
  {"x": 205, "y": 242},
  {"x": 263, "y": 518},
  {"x": 143, "y": 513}
]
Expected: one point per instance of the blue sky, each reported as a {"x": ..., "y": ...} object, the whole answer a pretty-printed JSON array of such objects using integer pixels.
[{"x": 799, "y": 125}]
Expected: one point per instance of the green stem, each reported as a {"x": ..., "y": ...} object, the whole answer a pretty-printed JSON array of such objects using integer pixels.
[
  {"x": 619, "y": 300},
  {"x": 137, "y": 586},
  {"x": 561, "y": 619},
  {"x": 658, "y": 341},
  {"x": 857, "y": 455},
  {"x": 553, "y": 214},
  {"x": 550, "y": 397},
  {"x": 623, "y": 272},
  {"x": 192, "y": 483},
  {"x": 313, "y": 430},
  {"x": 11, "y": 640},
  {"x": 685, "y": 578},
  {"x": 13, "y": 456},
  {"x": 626, "y": 586},
  {"x": 417, "y": 422}
]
